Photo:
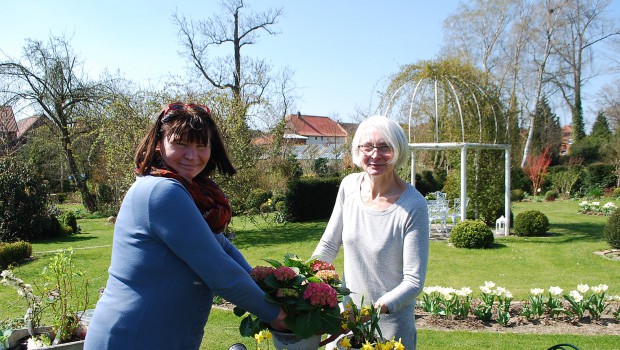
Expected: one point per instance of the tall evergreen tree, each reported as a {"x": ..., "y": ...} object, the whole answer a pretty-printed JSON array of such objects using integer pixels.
[
  {"x": 600, "y": 129},
  {"x": 547, "y": 131}
]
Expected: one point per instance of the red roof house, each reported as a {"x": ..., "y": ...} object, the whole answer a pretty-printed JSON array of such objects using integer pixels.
[
  {"x": 8, "y": 125},
  {"x": 314, "y": 129}
]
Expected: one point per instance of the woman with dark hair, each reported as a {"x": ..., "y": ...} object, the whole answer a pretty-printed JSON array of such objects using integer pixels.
[{"x": 169, "y": 256}]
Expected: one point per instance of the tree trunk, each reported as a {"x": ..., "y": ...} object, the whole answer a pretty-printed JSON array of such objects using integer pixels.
[{"x": 88, "y": 199}]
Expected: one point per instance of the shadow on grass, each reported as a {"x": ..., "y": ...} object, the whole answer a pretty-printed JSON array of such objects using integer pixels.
[
  {"x": 280, "y": 234},
  {"x": 563, "y": 233},
  {"x": 67, "y": 239}
]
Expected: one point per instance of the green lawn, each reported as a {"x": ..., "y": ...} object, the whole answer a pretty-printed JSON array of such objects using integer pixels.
[{"x": 564, "y": 258}]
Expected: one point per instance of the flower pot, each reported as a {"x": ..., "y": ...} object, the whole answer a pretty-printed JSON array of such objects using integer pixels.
[
  {"x": 290, "y": 341},
  {"x": 75, "y": 345},
  {"x": 18, "y": 335}
]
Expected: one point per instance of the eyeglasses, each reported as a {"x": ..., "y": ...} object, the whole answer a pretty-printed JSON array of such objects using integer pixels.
[
  {"x": 368, "y": 149},
  {"x": 182, "y": 107}
]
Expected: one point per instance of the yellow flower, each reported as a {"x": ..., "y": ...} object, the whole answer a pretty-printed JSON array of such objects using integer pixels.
[
  {"x": 366, "y": 311},
  {"x": 259, "y": 337},
  {"x": 398, "y": 345},
  {"x": 346, "y": 342},
  {"x": 367, "y": 346},
  {"x": 345, "y": 326},
  {"x": 386, "y": 346},
  {"x": 268, "y": 335}
]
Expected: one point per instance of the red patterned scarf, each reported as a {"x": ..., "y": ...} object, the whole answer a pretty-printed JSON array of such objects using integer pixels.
[{"x": 208, "y": 196}]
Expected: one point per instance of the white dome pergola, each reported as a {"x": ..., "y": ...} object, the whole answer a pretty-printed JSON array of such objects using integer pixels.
[{"x": 454, "y": 90}]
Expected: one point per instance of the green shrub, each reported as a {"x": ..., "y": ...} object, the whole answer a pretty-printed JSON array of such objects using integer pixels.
[
  {"x": 14, "y": 253},
  {"x": 612, "y": 230},
  {"x": 595, "y": 192},
  {"x": 311, "y": 198},
  {"x": 60, "y": 197},
  {"x": 23, "y": 203},
  {"x": 256, "y": 198},
  {"x": 425, "y": 182},
  {"x": 616, "y": 192},
  {"x": 471, "y": 234},
  {"x": 280, "y": 206},
  {"x": 517, "y": 194},
  {"x": 70, "y": 220},
  {"x": 531, "y": 223},
  {"x": 551, "y": 195},
  {"x": 265, "y": 207}
]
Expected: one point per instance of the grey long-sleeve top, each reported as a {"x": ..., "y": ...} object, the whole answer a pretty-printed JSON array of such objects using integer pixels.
[{"x": 385, "y": 253}]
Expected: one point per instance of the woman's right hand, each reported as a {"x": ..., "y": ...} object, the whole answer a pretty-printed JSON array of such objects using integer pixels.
[{"x": 278, "y": 324}]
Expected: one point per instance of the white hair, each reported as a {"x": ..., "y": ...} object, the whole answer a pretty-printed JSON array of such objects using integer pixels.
[{"x": 392, "y": 133}]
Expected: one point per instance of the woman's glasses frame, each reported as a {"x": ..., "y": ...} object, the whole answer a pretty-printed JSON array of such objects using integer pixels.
[{"x": 368, "y": 149}]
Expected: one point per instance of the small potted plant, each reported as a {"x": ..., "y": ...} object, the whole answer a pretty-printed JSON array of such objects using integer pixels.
[
  {"x": 64, "y": 292},
  {"x": 363, "y": 332},
  {"x": 308, "y": 291}
]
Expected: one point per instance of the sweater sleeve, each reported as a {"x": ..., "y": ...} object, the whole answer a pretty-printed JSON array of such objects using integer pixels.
[
  {"x": 176, "y": 221},
  {"x": 233, "y": 252},
  {"x": 415, "y": 260}
]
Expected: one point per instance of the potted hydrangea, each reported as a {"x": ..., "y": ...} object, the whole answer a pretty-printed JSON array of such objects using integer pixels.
[{"x": 308, "y": 291}]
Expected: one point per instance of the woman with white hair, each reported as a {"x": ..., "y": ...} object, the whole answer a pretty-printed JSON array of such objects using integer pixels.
[{"x": 381, "y": 222}]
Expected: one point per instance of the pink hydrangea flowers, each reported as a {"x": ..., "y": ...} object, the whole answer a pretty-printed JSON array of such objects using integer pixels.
[
  {"x": 321, "y": 294},
  {"x": 284, "y": 273},
  {"x": 308, "y": 291}
]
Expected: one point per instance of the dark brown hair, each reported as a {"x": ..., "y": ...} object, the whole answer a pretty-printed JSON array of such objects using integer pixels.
[{"x": 189, "y": 122}]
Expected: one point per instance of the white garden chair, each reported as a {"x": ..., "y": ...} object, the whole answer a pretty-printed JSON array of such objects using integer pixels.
[
  {"x": 438, "y": 212},
  {"x": 455, "y": 211}
]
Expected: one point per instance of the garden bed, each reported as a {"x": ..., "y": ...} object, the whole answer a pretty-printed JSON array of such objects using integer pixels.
[{"x": 606, "y": 325}]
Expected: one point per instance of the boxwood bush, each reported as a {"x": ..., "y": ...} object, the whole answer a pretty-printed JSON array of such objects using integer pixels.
[
  {"x": 471, "y": 234},
  {"x": 531, "y": 223},
  {"x": 517, "y": 194},
  {"x": 14, "y": 253},
  {"x": 612, "y": 230}
]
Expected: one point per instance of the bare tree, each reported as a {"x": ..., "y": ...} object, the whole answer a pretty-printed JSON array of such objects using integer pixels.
[
  {"x": 51, "y": 79},
  {"x": 585, "y": 24},
  {"x": 477, "y": 31},
  {"x": 609, "y": 100},
  {"x": 245, "y": 77},
  {"x": 546, "y": 17}
]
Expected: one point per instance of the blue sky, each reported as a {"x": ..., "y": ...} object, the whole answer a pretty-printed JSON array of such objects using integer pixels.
[{"x": 339, "y": 50}]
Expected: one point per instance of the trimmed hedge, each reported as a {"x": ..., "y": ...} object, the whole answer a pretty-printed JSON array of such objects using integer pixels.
[
  {"x": 612, "y": 230},
  {"x": 531, "y": 223},
  {"x": 311, "y": 198},
  {"x": 14, "y": 253},
  {"x": 473, "y": 234}
]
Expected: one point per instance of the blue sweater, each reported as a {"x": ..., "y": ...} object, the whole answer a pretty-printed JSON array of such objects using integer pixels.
[{"x": 166, "y": 266}]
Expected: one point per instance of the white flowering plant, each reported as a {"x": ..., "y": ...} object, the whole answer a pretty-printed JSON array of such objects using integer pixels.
[
  {"x": 536, "y": 306},
  {"x": 554, "y": 302},
  {"x": 504, "y": 298},
  {"x": 595, "y": 208},
  {"x": 447, "y": 301},
  {"x": 484, "y": 310},
  {"x": 63, "y": 291},
  {"x": 35, "y": 307}
]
